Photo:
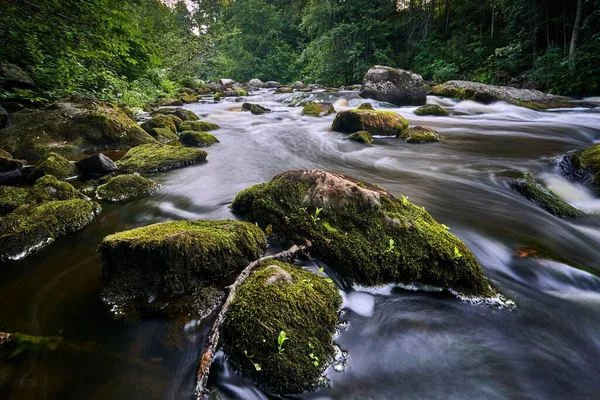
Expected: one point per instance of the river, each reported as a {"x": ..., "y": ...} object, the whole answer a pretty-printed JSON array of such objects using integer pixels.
[{"x": 398, "y": 343}]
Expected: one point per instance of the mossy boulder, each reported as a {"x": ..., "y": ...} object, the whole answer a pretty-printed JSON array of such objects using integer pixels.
[
  {"x": 420, "y": 134},
  {"x": 126, "y": 187},
  {"x": 284, "y": 90},
  {"x": 56, "y": 165},
  {"x": 198, "y": 126},
  {"x": 376, "y": 122},
  {"x": 171, "y": 259},
  {"x": 161, "y": 127},
  {"x": 431, "y": 109},
  {"x": 171, "y": 103},
  {"x": 539, "y": 194},
  {"x": 12, "y": 197},
  {"x": 181, "y": 113},
  {"x": 197, "y": 139},
  {"x": 361, "y": 137},
  {"x": 30, "y": 227},
  {"x": 279, "y": 297},
  {"x": 230, "y": 93},
  {"x": 155, "y": 157},
  {"x": 49, "y": 188},
  {"x": 590, "y": 160},
  {"x": 365, "y": 233},
  {"x": 315, "y": 109},
  {"x": 70, "y": 127},
  {"x": 255, "y": 109}
]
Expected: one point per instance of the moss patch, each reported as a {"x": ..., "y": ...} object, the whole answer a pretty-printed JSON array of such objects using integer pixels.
[
  {"x": 48, "y": 188},
  {"x": 29, "y": 227},
  {"x": 255, "y": 109},
  {"x": 420, "y": 134},
  {"x": 230, "y": 93},
  {"x": 376, "y": 122},
  {"x": 590, "y": 160},
  {"x": 197, "y": 139},
  {"x": 431, "y": 109},
  {"x": 56, "y": 165},
  {"x": 314, "y": 109},
  {"x": 282, "y": 297},
  {"x": 361, "y": 137},
  {"x": 371, "y": 237},
  {"x": 155, "y": 157},
  {"x": 198, "y": 126},
  {"x": 11, "y": 197},
  {"x": 543, "y": 197},
  {"x": 171, "y": 259},
  {"x": 181, "y": 113},
  {"x": 284, "y": 90},
  {"x": 126, "y": 187},
  {"x": 5, "y": 154},
  {"x": 160, "y": 121}
]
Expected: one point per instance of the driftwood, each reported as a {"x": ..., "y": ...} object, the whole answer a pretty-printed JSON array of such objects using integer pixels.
[{"x": 213, "y": 337}]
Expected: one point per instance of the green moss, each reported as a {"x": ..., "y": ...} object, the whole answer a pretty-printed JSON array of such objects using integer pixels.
[
  {"x": 162, "y": 135},
  {"x": 13, "y": 344},
  {"x": 230, "y": 93},
  {"x": 431, "y": 109},
  {"x": 282, "y": 297},
  {"x": 54, "y": 164},
  {"x": 181, "y": 113},
  {"x": 284, "y": 90},
  {"x": 11, "y": 197},
  {"x": 171, "y": 259},
  {"x": 198, "y": 126},
  {"x": 376, "y": 122},
  {"x": 420, "y": 134},
  {"x": 197, "y": 139},
  {"x": 48, "y": 188},
  {"x": 314, "y": 109},
  {"x": 365, "y": 106},
  {"x": 5, "y": 154},
  {"x": 452, "y": 92},
  {"x": 188, "y": 98},
  {"x": 543, "y": 197},
  {"x": 155, "y": 157},
  {"x": 364, "y": 218},
  {"x": 590, "y": 160},
  {"x": 361, "y": 137},
  {"x": 30, "y": 227},
  {"x": 160, "y": 121},
  {"x": 126, "y": 187},
  {"x": 255, "y": 109}
]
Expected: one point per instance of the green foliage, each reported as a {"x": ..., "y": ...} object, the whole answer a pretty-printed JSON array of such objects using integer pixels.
[{"x": 280, "y": 340}]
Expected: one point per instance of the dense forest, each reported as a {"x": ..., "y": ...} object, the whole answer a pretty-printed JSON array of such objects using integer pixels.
[{"x": 133, "y": 51}]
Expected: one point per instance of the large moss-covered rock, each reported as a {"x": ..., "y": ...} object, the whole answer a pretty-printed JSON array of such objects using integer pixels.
[
  {"x": 198, "y": 126},
  {"x": 172, "y": 259},
  {"x": 376, "y": 122},
  {"x": 485, "y": 93},
  {"x": 31, "y": 227},
  {"x": 276, "y": 298},
  {"x": 315, "y": 109},
  {"x": 155, "y": 157},
  {"x": 126, "y": 187},
  {"x": 161, "y": 127},
  {"x": 365, "y": 233},
  {"x": 181, "y": 113},
  {"x": 395, "y": 86},
  {"x": 56, "y": 165},
  {"x": 197, "y": 139},
  {"x": 70, "y": 127},
  {"x": 48, "y": 188},
  {"x": 543, "y": 197},
  {"x": 420, "y": 134},
  {"x": 431, "y": 109},
  {"x": 11, "y": 197}
]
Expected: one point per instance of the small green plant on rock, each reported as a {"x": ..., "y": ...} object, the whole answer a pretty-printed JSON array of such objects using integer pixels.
[
  {"x": 315, "y": 217},
  {"x": 256, "y": 366},
  {"x": 457, "y": 253},
  {"x": 280, "y": 340}
]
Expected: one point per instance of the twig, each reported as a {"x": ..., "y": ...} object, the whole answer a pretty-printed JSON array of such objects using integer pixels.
[{"x": 213, "y": 337}]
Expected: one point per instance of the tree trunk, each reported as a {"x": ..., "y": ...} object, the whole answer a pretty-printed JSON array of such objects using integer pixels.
[
  {"x": 493, "y": 19},
  {"x": 575, "y": 36},
  {"x": 447, "y": 17}
]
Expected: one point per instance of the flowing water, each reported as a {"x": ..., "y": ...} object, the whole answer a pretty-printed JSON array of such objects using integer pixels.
[{"x": 398, "y": 343}]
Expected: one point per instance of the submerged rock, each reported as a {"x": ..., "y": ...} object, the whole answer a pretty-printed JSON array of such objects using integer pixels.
[
  {"x": 376, "y": 122},
  {"x": 126, "y": 187},
  {"x": 70, "y": 127},
  {"x": 30, "y": 227},
  {"x": 315, "y": 109},
  {"x": 181, "y": 113},
  {"x": 431, "y": 109},
  {"x": 49, "y": 188},
  {"x": 365, "y": 233},
  {"x": 11, "y": 197},
  {"x": 395, "y": 86},
  {"x": 276, "y": 298},
  {"x": 543, "y": 197},
  {"x": 96, "y": 164},
  {"x": 197, "y": 139},
  {"x": 161, "y": 127},
  {"x": 420, "y": 134},
  {"x": 590, "y": 160},
  {"x": 583, "y": 167},
  {"x": 155, "y": 157},
  {"x": 56, "y": 165},
  {"x": 198, "y": 126},
  {"x": 361, "y": 137},
  {"x": 485, "y": 93},
  {"x": 255, "y": 109},
  {"x": 172, "y": 259}
]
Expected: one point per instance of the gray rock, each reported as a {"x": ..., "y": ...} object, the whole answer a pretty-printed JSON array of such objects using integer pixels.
[
  {"x": 272, "y": 84},
  {"x": 14, "y": 77},
  {"x": 395, "y": 86},
  {"x": 227, "y": 82},
  {"x": 298, "y": 85},
  {"x": 256, "y": 84},
  {"x": 97, "y": 164}
]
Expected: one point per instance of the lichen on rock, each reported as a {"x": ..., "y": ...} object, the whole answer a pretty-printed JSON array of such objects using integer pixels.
[
  {"x": 197, "y": 139},
  {"x": 155, "y": 157},
  {"x": 365, "y": 233},
  {"x": 56, "y": 165},
  {"x": 420, "y": 134},
  {"x": 376, "y": 122},
  {"x": 126, "y": 187},
  {"x": 279, "y": 297}
]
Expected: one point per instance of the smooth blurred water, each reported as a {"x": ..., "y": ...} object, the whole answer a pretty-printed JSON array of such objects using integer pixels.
[{"x": 400, "y": 343}]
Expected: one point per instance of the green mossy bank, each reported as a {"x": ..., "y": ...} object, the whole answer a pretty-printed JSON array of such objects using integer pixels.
[
  {"x": 365, "y": 233},
  {"x": 155, "y": 157},
  {"x": 282, "y": 297}
]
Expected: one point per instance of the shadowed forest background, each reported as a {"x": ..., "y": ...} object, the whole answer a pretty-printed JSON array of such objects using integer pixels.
[{"x": 133, "y": 51}]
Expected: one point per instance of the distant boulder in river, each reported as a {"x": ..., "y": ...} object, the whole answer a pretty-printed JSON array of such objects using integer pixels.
[{"x": 395, "y": 86}]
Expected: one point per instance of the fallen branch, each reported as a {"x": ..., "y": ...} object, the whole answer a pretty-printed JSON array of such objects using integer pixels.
[{"x": 213, "y": 337}]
